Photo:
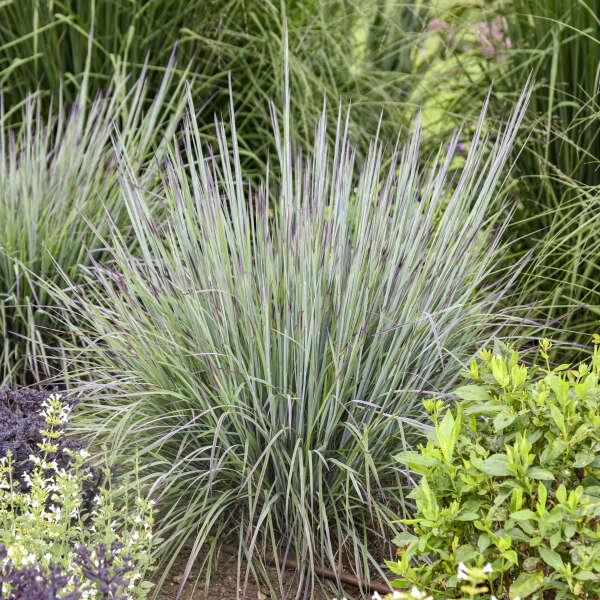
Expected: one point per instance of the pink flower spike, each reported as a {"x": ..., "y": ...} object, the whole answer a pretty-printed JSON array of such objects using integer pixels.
[{"x": 437, "y": 25}]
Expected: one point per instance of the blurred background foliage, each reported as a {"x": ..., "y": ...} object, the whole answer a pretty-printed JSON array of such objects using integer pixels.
[
  {"x": 557, "y": 176},
  {"x": 364, "y": 52}
]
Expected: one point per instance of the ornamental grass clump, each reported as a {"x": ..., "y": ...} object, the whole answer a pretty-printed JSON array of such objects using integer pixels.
[
  {"x": 510, "y": 483},
  {"x": 58, "y": 176},
  {"x": 67, "y": 534},
  {"x": 265, "y": 348}
]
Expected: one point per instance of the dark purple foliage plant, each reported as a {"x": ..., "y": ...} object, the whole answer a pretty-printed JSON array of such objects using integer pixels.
[{"x": 21, "y": 425}]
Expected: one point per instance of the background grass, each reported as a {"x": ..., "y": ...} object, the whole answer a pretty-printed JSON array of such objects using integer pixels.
[
  {"x": 557, "y": 175},
  {"x": 58, "y": 179},
  {"x": 560, "y": 171},
  {"x": 367, "y": 52}
]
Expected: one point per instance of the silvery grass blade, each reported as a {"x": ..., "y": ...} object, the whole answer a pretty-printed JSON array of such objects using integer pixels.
[
  {"x": 58, "y": 177},
  {"x": 267, "y": 349}
]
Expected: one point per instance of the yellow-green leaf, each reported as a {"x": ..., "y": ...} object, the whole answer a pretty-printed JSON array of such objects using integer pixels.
[{"x": 525, "y": 584}]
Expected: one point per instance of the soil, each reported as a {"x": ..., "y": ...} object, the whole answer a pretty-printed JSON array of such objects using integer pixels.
[{"x": 223, "y": 585}]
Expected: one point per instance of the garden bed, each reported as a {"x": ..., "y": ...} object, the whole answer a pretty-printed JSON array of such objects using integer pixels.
[{"x": 223, "y": 584}]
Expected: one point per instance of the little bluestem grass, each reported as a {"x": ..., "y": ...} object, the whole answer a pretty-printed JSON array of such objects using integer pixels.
[
  {"x": 58, "y": 177},
  {"x": 266, "y": 350}
]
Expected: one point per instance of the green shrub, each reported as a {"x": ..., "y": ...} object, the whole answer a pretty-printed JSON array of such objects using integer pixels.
[
  {"x": 510, "y": 477},
  {"x": 473, "y": 586},
  {"x": 264, "y": 361},
  {"x": 58, "y": 183},
  {"x": 62, "y": 529}
]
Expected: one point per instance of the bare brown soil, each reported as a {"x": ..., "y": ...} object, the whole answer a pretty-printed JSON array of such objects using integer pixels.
[{"x": 223, "y": 584}]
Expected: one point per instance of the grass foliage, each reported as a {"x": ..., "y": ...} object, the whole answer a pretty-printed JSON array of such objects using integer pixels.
[
  {"x": 560, "y": 43},
  {"x": 58, "y": 176},
  {"x": 556, "y": 43},
  {"x": 366, "y": 52},
  {"x": 264, "y": 347}
]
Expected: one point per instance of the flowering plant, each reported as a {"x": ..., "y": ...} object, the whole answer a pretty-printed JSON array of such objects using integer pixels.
[
  {"x": 54, "y": 544},
  {"x": 22, "y": 420},
  {"x": 488, "y": 39},
  {"x": 473, "y": 587},
  {"x": 510, "y": 477}
]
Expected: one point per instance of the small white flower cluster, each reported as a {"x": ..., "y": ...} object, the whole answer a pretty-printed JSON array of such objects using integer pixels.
[
  {"x": 51, "y": 414},
  {"x": 414, "y": 594},
  {"x": 46, "y": 523},
  {"x": 463, "y": 573}
]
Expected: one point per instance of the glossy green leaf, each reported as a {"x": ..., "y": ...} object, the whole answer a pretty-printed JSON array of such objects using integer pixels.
[
  {"x": 539, "y": 473},
  {"x": 558, "y": 418},
  {"x": 403, "y": 538},
  {"x": 583, "y": 459},
  {"x": 496, "y": 465},
  {"x": 524, "y": 514},
  {"x": 503, "y": 420},
  {"x": 414, "y": 459},
  {"x": 561, "y": 493},
  {"x": 473, "y": 393}
]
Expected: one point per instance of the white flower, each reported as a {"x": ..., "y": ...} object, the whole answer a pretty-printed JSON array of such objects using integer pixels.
[
  {"x": 415, "y": 592},
  {"x": 376, "y": 596},
  {"x": 462, "y": 571},
  {"x": 488, "y": 568}
]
